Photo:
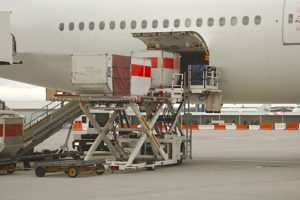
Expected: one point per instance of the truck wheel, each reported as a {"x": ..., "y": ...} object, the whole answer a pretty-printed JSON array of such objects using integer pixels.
[
  {"x": 100, "y": 169},
  {"x": 73, "y": 172},
  {"x": 40, "y": 171},
  {"x": 182, "y": 151},
  {"x": 11, "y": 171}
]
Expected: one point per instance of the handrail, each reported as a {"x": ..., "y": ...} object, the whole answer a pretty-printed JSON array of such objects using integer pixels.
[{"x": 43, "y": 115}]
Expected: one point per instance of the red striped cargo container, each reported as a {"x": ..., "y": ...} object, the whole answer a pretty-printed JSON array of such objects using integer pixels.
[
  {"x": 11, "y": 133},
  {"x": 140, "y": 76},
  {"x": 164, "y": 64}
]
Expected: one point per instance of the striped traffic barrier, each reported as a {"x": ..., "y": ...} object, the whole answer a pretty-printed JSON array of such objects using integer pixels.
[
  {"x": 242, "y": 127},
  {"x": 254, "y": 127},
  {"x": 266, "y": 126},
  {"x": 206, "y": 127},
  {"x": 231, "y": 127},
  {"x": 220, "y": 127},
  {"x": 280, "y": 126},
  {"x": 292, "y": 126}
]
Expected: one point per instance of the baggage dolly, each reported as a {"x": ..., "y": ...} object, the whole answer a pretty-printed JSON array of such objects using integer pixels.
[{"x": 71, "y": 167}]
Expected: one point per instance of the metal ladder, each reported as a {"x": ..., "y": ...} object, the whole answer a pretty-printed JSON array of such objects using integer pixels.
[
  {"x": 188, "y": 120},
  {"x": 45, "y": 125}
]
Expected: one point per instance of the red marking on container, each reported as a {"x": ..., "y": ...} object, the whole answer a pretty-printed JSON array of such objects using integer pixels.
[
  {"x": 137, "y": 70},
  {"x": 154, "y": 62},
  {"x": 13, "y": 130},
  {"x": 147, "y": 71},
  {"x": 168, "y": 63},
  {"x": 1, "y": 130}
]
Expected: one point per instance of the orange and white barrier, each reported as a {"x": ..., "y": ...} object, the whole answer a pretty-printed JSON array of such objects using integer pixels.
[
  {"x": 266, "y": 126},
  {"x": 292, "y": 126},
  {"x": 254, "y": 127},
  {"x": 193, "y": 127},
  {"x": 242, "y": 127},
  {"x": 231, "y": 127},
  {"x": 206, "y": 127},
  {"x": 220, "y": 127},
  {"x": 280, "y": 126}
]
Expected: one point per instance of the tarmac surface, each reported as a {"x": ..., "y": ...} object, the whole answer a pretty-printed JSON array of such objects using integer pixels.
[{"x": 227, "y": 165}]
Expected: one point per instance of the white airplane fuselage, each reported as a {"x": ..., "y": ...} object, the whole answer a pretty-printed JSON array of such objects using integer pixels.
[{"x": 260, "y": 62}]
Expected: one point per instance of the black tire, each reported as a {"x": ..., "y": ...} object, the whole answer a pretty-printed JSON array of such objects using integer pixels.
[
  {"x": 100, "y": 169},
  {"x": 11, "y": 171},
  {"x": 40, "y": 171},
  {"x": 73, "y": 172},
  {"x": 182, "y": 151},
  {"x": 150, "y": 168},
  {"x": 76, "y": 157}
]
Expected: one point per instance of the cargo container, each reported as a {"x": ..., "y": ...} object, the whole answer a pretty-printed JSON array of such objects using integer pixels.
[
  {"x": 141, "y": 73},
  {"x": 164, "y": 64},
  {"x": 101, "y": 74},
  {"x": 11, "y": 133}
]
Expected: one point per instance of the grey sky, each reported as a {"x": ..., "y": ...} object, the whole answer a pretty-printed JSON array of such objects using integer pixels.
[{"x": 15, "y": 91}]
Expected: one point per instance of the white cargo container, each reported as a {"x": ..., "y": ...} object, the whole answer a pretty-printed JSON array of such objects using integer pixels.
[
  {"x": 5, "y": 39},
  {"x": 11, "y": 133},
  {"x": 101, "y": 74},
  {"x": 140, "y": 76},
  {"x": 164, "y": 65}
]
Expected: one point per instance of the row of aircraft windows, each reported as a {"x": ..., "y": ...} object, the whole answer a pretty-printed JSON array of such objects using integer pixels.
[{"x": 166, "y": 23}]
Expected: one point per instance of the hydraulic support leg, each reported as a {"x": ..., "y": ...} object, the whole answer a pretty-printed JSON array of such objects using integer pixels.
[
  {"x": 149, "y": 132},
  {"x": 102, "y": 133},
  {"x": 144, "y": 138}
]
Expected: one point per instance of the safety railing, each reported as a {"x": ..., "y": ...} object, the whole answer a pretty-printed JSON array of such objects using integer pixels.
[{"x": 46, "y": 111}]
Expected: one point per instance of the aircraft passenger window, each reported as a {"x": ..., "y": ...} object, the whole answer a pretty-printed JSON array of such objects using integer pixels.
[
  {"x": 92, "y": 26},
  {"x": 61, "y": 26},
  {"x": 188, "y": 23},
  {"x": 81, "y": 26},
  {"x": 210, "y": 22},
  {"x": 102, "y": 25},
  {"x": 144, "y": 24},
  {"x": 154, "y": 23},
  {"x": 233, "y": 21},
  {"x": 257, "y": 20},
  {"x": 133, "y": 24},
  {"x": 291, "y": 18},
  {"x": 123, "y": 25},
  {"x": 199, "y": 22},
  {"x": 112, "y": 25},
  {"x": 246, "y": 20},
  {"x": 222, "y": 21},
  {"x": 71, "y": 26},
  {"x": 166, "y": 23},
  {"x": 176, "y": 23}
]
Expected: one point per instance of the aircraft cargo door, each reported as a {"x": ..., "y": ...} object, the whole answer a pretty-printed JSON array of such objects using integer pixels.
[{"x": 291, "y": 22}]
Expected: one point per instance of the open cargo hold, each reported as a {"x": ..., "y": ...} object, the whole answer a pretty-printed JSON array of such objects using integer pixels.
[{"x": 164, "y": 65}]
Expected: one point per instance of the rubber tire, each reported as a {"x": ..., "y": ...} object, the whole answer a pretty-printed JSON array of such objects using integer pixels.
[
  {"x": 11, "y": 171},
  {"x": 40, "y": 171},
  {"x": 150, "y": 168},
  {"x": 76, "y": 157},
  {"x": 73, "y": 172},
  {"x": 101, "y": 169}
]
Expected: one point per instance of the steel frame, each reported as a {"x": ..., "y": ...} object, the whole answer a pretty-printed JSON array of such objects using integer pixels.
[{"x": 165, "y": 145}]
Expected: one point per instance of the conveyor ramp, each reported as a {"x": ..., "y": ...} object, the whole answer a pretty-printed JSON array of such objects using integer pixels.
[{"x": 41, "y": 128}]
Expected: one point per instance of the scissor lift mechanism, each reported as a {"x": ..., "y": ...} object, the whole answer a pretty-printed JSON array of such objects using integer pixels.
[{"x": 158, "y": 141}]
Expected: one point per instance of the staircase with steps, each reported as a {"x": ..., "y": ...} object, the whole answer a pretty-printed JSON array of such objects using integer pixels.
[{"x": 49, "y": 123}]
